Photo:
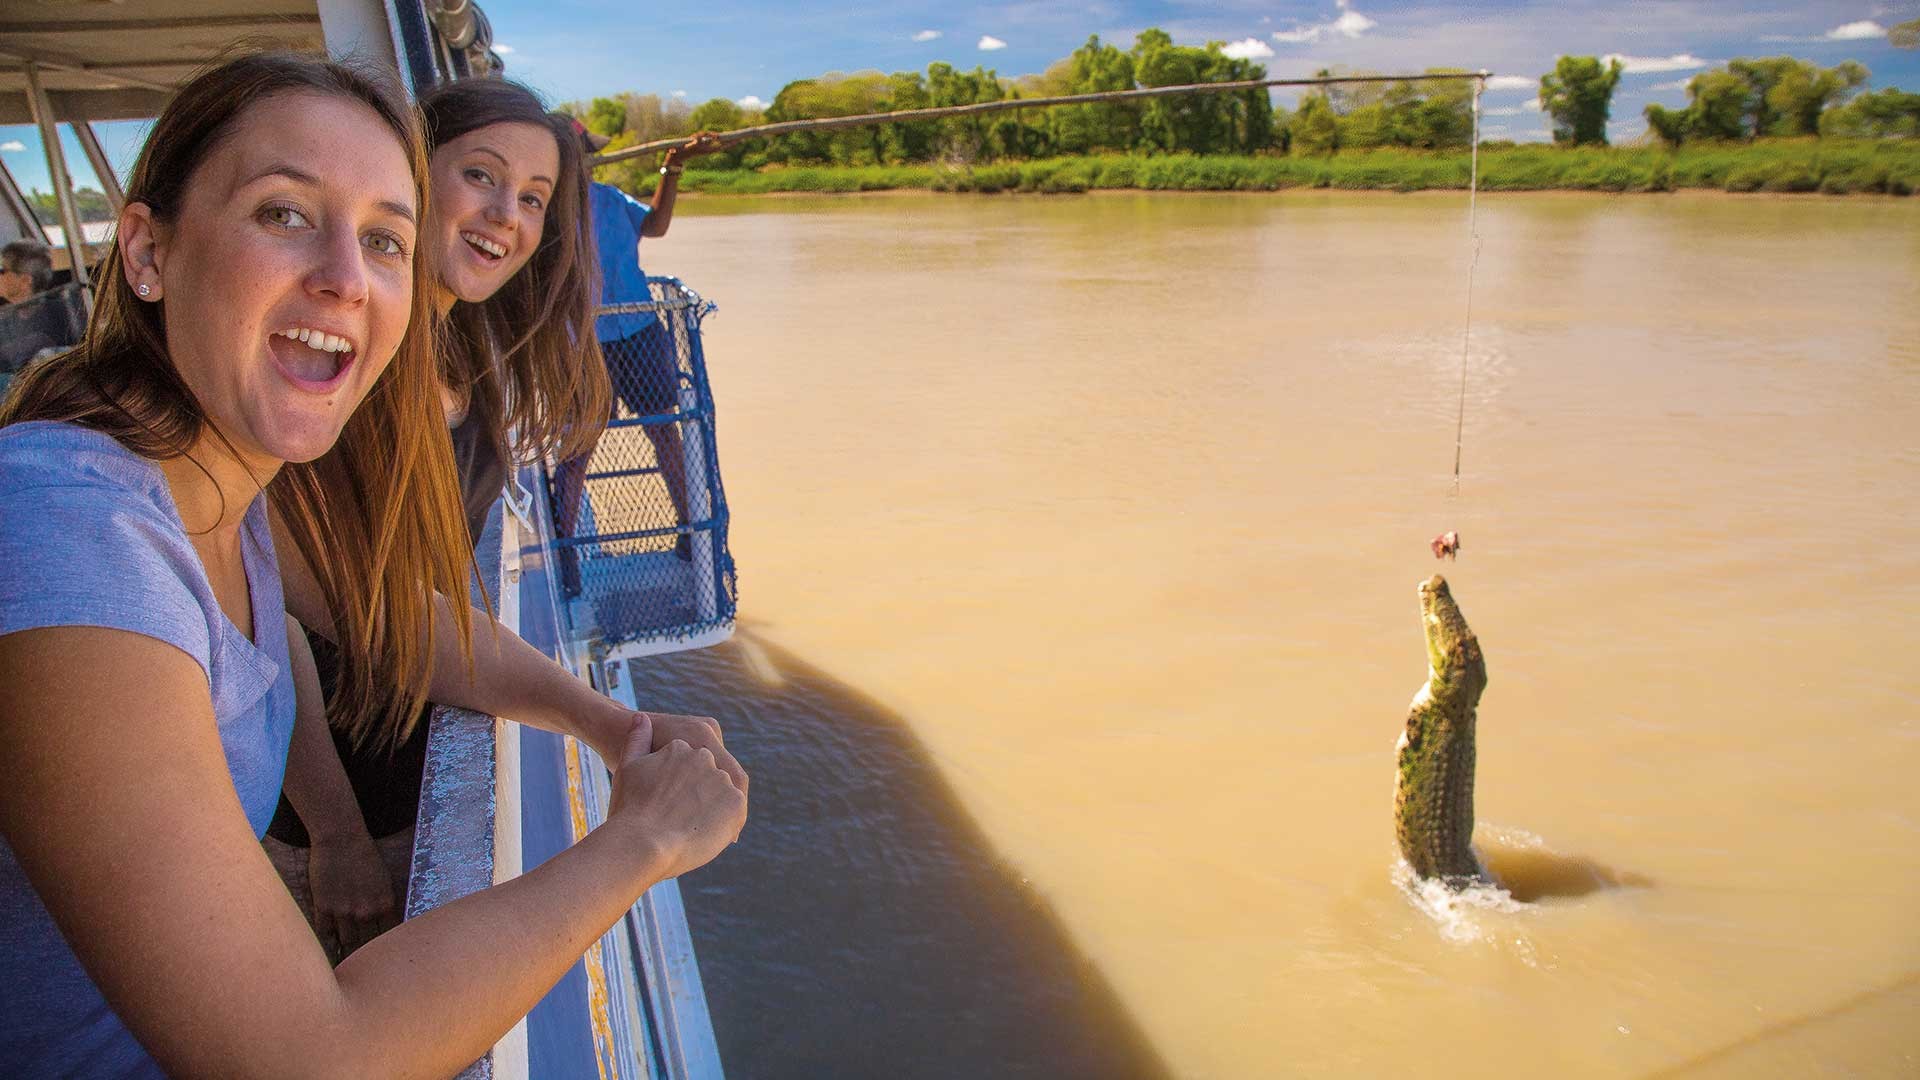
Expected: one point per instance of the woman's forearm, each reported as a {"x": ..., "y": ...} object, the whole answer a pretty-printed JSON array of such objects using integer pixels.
[
  {"x": 445, "y": 986},
  {"x": 508, "y": 678},
  {"x": 512, "y": 679}
]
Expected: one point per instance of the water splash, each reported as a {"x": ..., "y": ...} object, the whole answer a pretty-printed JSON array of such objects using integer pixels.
[
  {"x": 1464, "y": 916},
  {"x": 1527, "y": 873}
]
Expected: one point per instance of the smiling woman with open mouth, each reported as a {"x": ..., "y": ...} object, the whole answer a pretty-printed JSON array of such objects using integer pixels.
[{"x": 507, "y": 210}]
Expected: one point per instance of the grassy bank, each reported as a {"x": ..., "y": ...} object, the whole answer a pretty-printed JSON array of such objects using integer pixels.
[{"x": 1832, "y": 166}]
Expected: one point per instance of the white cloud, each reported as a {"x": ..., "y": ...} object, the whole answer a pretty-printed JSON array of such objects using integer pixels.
[
  {"x": 751, "y": 102},
  {"x": 1513, "y": 82},
  {"x": 1516, "y": 110},
  {"x": 1857, "y": 31},
  {"x": 503, "y": 50},
  {"x": 1352, "y": 23},
  {"x": 988, "y": 43},
  {"x": 1247, "y": 49},
  {"x": 1677, "y": 84},
  {"x": 679, "y": 93},
  {"x": 1647, "y": 65},
  {"x": 1349, "y": 24},
  {"x": 926, "y": 35},
  {"x": 12, "y": 146},
  {"x": 1533, "y": 105}
]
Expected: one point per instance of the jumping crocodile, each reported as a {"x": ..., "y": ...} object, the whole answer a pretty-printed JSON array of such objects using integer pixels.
[{"x": 1433, "y": 793}]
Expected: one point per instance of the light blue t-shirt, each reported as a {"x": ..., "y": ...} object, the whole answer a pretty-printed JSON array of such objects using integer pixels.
[
  {"x": 89, "y": 536},
  {"x": 617, "y": 220}
]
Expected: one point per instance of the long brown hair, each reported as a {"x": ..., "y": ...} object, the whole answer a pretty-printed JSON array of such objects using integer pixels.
[
  {"x": 548, "y": 384},
  {"x": 378, "y": 516}
]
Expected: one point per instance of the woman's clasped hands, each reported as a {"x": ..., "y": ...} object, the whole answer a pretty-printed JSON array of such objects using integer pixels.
[{"x": 676, "y": 784}]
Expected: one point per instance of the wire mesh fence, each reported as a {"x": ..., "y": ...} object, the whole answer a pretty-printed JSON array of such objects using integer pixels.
[{"x": 640, "y": 524}]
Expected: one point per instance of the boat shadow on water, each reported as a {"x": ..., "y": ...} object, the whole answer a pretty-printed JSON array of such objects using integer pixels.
[{"x": 864, "y": 926}]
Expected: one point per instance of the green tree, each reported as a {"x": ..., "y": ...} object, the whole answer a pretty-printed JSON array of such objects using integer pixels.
[
  {"x": 718, "y": 114},
  {"x": 1775, "y": 95},
  {"x": 1889, "y": 114},
  {"x": 643, "y": 116},
  {"x": 1199, "y": 123},
  {"x": 832, "y": 94},
  {"x": 1366, "y": 127},
  {"x": 1802, "y": 92},
  {"x": 1080, "y": 129},
  {"x": 1718, "y": 107},
  {"x": 1578, "y": 94},
  {"x": 1282, "y": 138},
  {"x": 963, "y": 138},
  {"x": 1424, "y": 115},
  {"x": 1761, "y": 76},
  {"x": 605, "y": 116},
  {"x": 1786, "y": 94},
  {"x": 1905, "y": 35},
  {"x": 1315, "y": 130},
  {"x": 915, "y": 140},
  {"x": 1668, "y": 125},
  {"x": 91, "y": 205},
  {"x": 1433, "y": 115}
]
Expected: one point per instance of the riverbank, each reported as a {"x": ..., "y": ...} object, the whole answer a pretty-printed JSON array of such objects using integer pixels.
[{"x": 1829, "y": 166}]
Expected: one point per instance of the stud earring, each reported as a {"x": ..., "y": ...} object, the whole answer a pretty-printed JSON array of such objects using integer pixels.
[{"x": 143, "y": 290}]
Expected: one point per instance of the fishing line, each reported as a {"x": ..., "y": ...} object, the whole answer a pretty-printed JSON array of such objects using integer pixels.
[{"x": 1473, "y": 261}]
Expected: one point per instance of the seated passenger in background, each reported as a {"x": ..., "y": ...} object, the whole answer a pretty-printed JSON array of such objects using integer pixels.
[
  {"x": 26, "y": 267},
  {"x": 264, "y": 333}
]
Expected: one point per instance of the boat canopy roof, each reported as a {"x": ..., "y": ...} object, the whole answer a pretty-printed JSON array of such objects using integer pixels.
[
  {"x": 122, "y": 61},
  {"x": 96, "y": 60}
]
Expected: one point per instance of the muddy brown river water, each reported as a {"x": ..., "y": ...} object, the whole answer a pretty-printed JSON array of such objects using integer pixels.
[{"x": 1079, "y": 540}]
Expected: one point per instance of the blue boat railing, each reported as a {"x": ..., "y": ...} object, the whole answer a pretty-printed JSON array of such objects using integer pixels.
[
  {"x": 640, "y": 524},
  {"x": 498, "y": 798}
]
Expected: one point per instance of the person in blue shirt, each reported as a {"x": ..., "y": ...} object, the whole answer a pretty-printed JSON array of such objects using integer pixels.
[{"x": 642, "y": 355}]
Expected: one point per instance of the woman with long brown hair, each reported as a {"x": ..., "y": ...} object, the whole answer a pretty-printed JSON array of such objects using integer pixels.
[
  {"x": 522, "y": 379},
  {"x": 264, "y": 333}
]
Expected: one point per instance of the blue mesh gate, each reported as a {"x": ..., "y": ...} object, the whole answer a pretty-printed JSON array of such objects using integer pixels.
[{"x": 640, "y": 524}]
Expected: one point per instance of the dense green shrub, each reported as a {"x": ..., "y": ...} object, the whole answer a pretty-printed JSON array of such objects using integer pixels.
[{"x": 1834, "y": 166}]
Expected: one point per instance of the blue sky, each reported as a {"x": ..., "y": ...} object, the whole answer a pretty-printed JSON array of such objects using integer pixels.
[
  {"x": 740, "y": 49},
  {"x": 572, "y": 49}
]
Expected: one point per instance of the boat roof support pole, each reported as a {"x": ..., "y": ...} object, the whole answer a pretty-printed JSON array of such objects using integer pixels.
[
  {"x": 57, "y": 171},
  {"x": 102, "y": 168},
  {"x": 16, "y": 204},
  {"x": 54, "y": 62}
]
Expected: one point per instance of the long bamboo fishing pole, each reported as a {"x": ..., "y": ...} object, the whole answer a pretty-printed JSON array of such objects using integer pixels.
[{"x": 831, "y": 123}]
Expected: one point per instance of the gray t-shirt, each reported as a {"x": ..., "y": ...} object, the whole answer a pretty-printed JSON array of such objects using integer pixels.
[{"x": 89, "y": 536}]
